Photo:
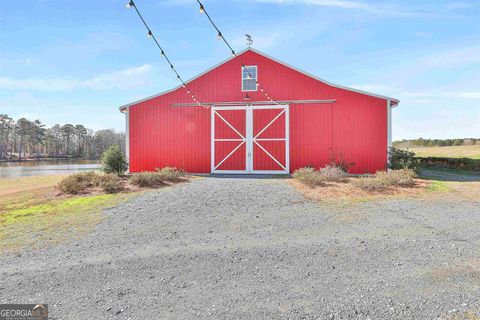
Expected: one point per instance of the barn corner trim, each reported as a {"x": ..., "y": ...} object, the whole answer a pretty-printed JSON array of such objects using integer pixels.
[{"x": 393, "y": 102}]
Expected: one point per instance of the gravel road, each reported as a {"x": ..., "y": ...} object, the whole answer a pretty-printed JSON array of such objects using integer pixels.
[{"x": 243, "y": 248}]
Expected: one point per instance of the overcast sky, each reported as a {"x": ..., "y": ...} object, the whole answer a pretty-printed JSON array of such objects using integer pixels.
[{"x": 72, "y": 61}]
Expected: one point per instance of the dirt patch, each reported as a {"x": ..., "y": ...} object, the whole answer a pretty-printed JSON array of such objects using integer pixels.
[
  {"x": 14, "y": 185},
  {"x": 350, "y": 218},
  {"x": 468, "y": 269},
  {"x": 347, "y": 192},
  {"x": 466, "y": 190},
  {"x": 468, "y": 315}
]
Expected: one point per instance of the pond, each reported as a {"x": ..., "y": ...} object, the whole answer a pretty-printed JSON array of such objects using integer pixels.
[{"x": 46, "y": 167}]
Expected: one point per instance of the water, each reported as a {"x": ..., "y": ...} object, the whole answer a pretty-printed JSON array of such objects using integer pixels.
[{"x": 46, "y": 167}]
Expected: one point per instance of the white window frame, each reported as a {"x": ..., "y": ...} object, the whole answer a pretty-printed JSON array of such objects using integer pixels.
[{"x": 256, "y": 79}]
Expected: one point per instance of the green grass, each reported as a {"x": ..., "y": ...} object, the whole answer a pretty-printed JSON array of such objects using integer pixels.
[
  {"x": 55, "y": 208},
  {"x": 436, "y": 186},
  {"x": 471, "y": 152},
  {"x": 32, "y": 214}
]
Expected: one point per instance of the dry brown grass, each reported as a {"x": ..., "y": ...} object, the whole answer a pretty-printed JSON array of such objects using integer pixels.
[
  {"x": 309, "y": 177},
  {"x": 27, "y": 184},
  {"x": 386, "y": 179},
  {"x": 467, "y": 315},
  {"x": 333, "y": 173},
  {"x": 472, "y": 152},
  {"x": 333, "y": 184},
  {"x": 158, "y": 178},
  {"x": 171, "y": 174},
  {"x": 349, "y": 192}
]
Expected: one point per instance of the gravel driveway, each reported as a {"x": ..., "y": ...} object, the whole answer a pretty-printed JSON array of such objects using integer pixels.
[{"x": 243, "y": 248}]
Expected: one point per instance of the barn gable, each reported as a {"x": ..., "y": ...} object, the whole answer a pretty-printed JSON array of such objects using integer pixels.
[{"x": 244, "y": 57}]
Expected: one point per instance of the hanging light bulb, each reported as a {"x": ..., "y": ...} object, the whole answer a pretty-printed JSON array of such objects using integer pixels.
[
  {"x": 162, "y": 53},
  {"x": 202, "y": 9},
  {"x": 129, "y": 5},
  {"x": 149, "y": 34},
  {"x": 233, "y": 53},
  {"x": 219, "y": 35}
]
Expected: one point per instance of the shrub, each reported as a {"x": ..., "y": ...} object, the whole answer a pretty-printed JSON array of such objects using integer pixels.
[
  {"x": 111, "y": 183},
  {"x": 147, "y": 179},
  {"x": 333, "y": 173},
  {"x": 370, "y": 183},
  {"x": 170, "y": 173},
  {"x": 402, "y": 159},
  {"x": 77, "y": 183},
  {"x": 309, "y": 176},
  {"x": 382, "y": 180},
  {"x": 338, "y": 160},
  {"x": 114, "y": 161},
  {"x": 402, "y": 177}
]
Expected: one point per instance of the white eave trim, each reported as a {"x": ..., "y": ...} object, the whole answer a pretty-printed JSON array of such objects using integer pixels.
[{"x": 393, "y": 102}]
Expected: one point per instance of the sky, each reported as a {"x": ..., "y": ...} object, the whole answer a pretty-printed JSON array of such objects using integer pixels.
[{"x": 71, "y": 61}]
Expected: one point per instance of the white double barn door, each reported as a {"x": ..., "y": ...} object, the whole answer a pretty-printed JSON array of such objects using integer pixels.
[{"x": 250, "y": 139}]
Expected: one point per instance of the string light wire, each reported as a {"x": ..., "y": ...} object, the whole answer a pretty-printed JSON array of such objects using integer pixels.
[
  {"x": 234, "y": 54},
  {"x": 150, "y": 34}
]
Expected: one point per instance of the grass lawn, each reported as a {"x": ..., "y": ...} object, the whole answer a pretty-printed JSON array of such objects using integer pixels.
[
  {"x": 32, "y": 213},
  {"x": 472, "y": 152}
]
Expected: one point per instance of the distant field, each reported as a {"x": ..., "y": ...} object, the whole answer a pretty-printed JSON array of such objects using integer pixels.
[{"x": 472, "y": 152}]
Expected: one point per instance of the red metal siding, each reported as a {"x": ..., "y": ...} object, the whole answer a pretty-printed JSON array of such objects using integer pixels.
[{"x": 353, "y": 129}]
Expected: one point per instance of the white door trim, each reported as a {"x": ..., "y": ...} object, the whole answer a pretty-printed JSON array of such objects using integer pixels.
[
  {"x": 241, "y": 141},
  {"x": 249, "y": 140}
]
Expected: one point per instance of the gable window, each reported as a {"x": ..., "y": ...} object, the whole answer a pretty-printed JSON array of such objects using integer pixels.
[{"x": 249, "y": 78}]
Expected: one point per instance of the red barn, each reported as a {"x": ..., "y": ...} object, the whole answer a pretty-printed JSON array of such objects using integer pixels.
[{"x": 312, "y": 122}]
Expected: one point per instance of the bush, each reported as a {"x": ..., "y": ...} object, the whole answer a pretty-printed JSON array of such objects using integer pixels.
[
  {"x": 111, "y": 183},
  {"x": 402, "y": 159},
  {"x": 402, "y": 178},
  {"x": 333, "y": 173},
  {"x": 382, "y": 180},
  {"x": 370, "y": 183},
  {"x": 79, "y": 182},
  {"x": 170, "y": 173},
  {"x": 114, "y": 161},
  {"x": 451, "y": 163},
  {"x": 339, "y": 161},
  {"x": 309, "y": 176},
  {"x": 147, "y": 179}
]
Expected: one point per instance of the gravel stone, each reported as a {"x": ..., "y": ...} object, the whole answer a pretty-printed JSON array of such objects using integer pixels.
[{"x": 245, "y": 248}]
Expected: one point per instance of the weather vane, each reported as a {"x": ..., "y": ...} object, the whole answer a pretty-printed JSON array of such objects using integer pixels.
[{"x": 249, "y": 40}]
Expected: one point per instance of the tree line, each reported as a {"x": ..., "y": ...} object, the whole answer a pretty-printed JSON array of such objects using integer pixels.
[
  {"x": 420, "y": 142},
  {"x": 23, "y": 138}
]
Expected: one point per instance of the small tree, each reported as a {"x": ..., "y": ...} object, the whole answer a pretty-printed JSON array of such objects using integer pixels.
[
  {"x": 114, "y": 161},
  {"x": 402, "y": 159}
]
